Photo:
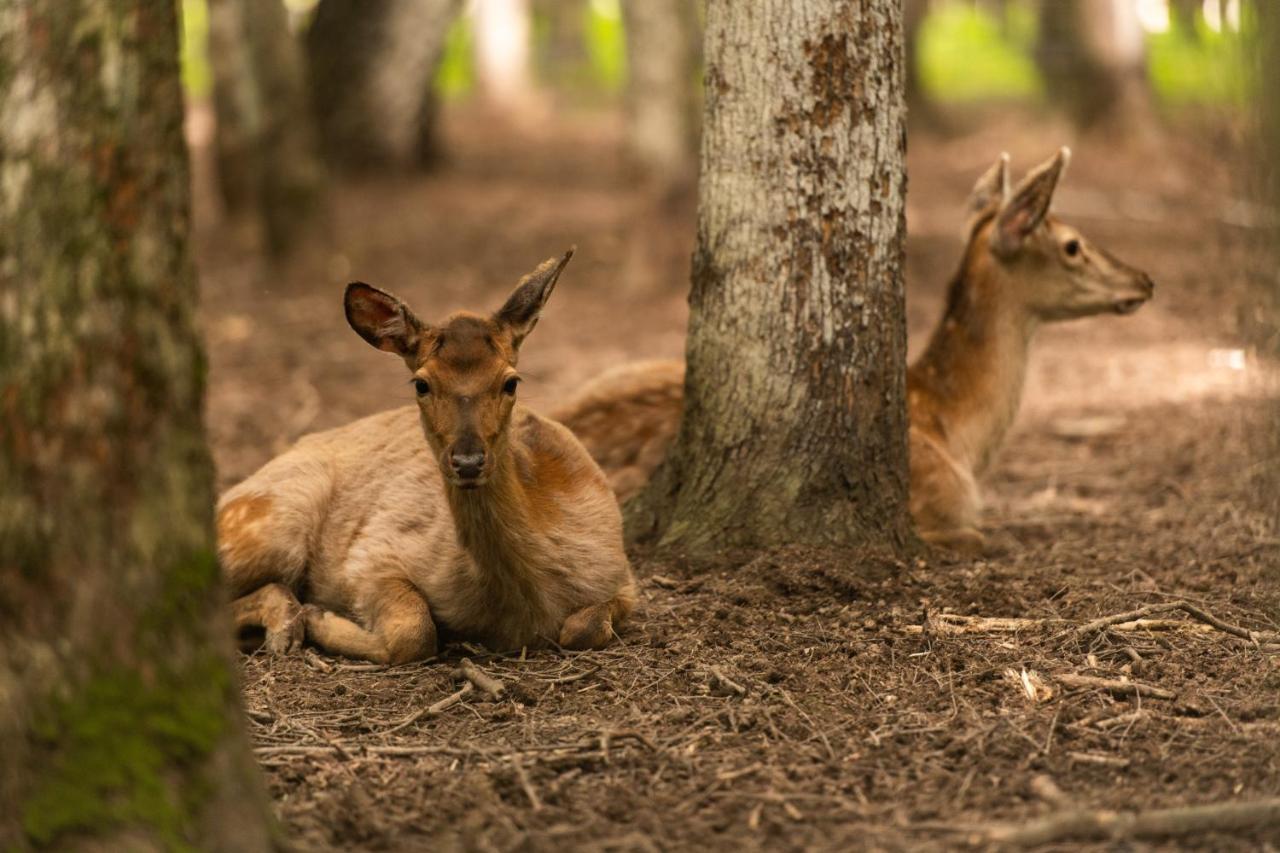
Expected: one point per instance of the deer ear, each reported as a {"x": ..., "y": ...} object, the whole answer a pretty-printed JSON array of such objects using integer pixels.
[
  {"x": 988, "y": 193},
  {"x": 1023, "y": 212},
  {"x": 382, "y": 320},
  {"x": 525, "y": 304}
]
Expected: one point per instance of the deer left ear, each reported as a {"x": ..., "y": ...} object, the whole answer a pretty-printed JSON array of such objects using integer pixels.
[
  {"x": 1023, "y": 212},
  {"x": 524, "y": 306},
  {"x": 988, "y": 193}
]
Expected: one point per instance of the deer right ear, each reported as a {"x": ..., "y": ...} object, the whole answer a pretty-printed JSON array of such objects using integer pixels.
[
  {"x": 988, "y": 194},
  {"x": 1023, "y": 212},
  {"x": 382, "y": 320}
]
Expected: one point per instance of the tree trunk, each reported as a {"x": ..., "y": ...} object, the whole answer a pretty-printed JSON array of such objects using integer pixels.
[
  {"x": 661, "y": 57},
  {"x": 120, "y": 726},
  {"x": 1090, "y": 53},
  {"x": 1184, "y": 14},
  {"x": 921, "y": 107},
  {"x": 371, "y": 64},
  {"x": 795, "y": 427},
  {"x": 265, "y": 144}
]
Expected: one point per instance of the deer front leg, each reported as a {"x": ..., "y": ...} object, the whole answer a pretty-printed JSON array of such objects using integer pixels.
[
  {"x": 592, "y": 627},
  {"x": 402, "y": 628},
  {"x": 274, "y": 608}
]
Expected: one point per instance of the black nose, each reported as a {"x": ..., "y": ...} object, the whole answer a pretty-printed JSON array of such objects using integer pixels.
[{"x": 467, "y": 465}]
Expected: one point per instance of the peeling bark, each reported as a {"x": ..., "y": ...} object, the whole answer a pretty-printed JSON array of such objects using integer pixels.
[
  {"x": 795, "y": 423},
  {"x": 119, "y": 720}
]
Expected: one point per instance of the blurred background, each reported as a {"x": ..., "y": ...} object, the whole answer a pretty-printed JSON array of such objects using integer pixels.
[{"x": 441, "y": 148}]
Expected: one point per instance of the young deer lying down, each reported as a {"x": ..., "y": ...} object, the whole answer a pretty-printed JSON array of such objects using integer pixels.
[
  {"x": 1022, "y": 267},
  {"x": 498, "y": 527}
]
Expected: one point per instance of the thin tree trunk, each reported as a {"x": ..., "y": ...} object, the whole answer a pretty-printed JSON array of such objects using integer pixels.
[
  {"x": 265, "y": 143},
  {"x": 119, "y": 727},
  {"x": 371, "y": 64},
  {"x": 1090, "y": 55},
  {"x": 922, "y": 108},
  {"x": 661, "y": 56},
  {"x": 795, "y": 427}
]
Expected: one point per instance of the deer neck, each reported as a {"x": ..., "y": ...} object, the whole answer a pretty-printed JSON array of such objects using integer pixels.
[
  {"x": 496, "y": 527},
  {"x": 975, "y": 366}
]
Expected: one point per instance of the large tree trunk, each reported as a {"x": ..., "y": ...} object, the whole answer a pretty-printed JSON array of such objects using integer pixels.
[
  {"x": 371, "y": 66},
  {"x": 119, "y": 720},
  {"x": 661, "y": 62},
  {"x": 795, "y": 427},
  {"x": 268, "y": 163},
  {"x": 1090, "y": 53}
]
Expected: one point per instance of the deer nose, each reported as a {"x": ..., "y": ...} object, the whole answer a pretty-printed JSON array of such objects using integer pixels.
[
  {"x": 1148, "y": 284},
  {"x": 467, "y": 465}
]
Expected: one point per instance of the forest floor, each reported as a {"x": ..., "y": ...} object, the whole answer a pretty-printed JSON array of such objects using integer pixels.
[{"x": 797, "y": 699}]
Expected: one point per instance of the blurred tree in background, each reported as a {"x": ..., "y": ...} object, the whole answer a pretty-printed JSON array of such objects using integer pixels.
[
  {"x": 371, "y": 66},
  {"x": 795, "y": 425},
  {"x": 120, "y": 727},
  {"x": 1090, "y": 53},
  {"x": 265, "y": 143},
  {"x": 662, "y": 52}
]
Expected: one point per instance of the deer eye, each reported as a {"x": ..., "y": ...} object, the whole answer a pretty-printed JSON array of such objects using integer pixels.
[
  {"x": 509, "y": 387},
  {"x": 422, "y": 387},
  {"x": 1072, "y": 248}
]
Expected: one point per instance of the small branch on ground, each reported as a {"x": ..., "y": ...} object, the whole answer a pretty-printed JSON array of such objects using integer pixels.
[
  {"x": 481, "y": 679},
  {"x": 431, "y": 710},
  {"x": 726, "y": 682},
  {"x": 1102, "y": 825},
  {"x": 1116, "y": 688}
]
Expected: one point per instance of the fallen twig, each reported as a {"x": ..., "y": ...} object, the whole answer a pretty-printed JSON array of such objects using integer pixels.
[
  {"x": 526, "y": 785},
  {"x": 431, "y": 710},
  {"x": 1100, "y": 760},
  {"x": 481, "y": 679},
  {"x": 1117, "y": 688},
  {"x": 726, "y": 682},
  {"x": 1103, "y": 825}
]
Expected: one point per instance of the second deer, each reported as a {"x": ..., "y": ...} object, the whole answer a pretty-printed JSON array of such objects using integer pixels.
[{"x": 1022, "y": 267}]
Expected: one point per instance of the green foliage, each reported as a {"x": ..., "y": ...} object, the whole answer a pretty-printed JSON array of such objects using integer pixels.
[
  {"x": 965, "y": 55},
  {"x": 1204, "y": 67},
  {"x": 606, "y": 44},
  {"x": 197, "y": 79},
  {"x": 455, "y": 77}
]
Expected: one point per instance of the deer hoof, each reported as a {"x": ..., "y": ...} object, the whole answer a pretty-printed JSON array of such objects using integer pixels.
[
  {"x": 287, "y": 637},
  {"x": 964, "y": 540},
  {"x": 589, "y": 628}
]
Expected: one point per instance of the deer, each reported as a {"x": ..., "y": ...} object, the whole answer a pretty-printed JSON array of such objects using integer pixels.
[
  {"x": 1022, "y": 267},
  {"x": 465, "y": 516}
]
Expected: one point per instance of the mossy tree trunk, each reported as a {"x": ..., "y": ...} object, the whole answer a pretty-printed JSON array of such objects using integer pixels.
[
  {"x": 268, "y": 162},
  {"x": 661, "y": 110},
  {"x": 371, "y": 65},
  {"x": 795, "y": 426},
  {"x": 119, "y": 719}
]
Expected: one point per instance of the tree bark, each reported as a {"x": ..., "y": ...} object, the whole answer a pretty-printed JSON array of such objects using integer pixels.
[
  {"x": 265, "y": 145},
  {"x": 795, "y": 426},
  {"x": 1090, "y": 55},
  {"x": 119, "y": 720},
  {"x": 371, "y": 68},
  {"x": 661, "y": 63}
]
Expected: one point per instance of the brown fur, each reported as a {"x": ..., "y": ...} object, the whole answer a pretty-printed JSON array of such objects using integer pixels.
[
  {"x": 498, "y": 527},
  {"x": 1021, "y": 268}
]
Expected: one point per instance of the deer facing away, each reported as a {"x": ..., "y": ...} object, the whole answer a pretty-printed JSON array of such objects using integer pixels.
[
  {"x": 1022, "y": 267},
  {"x": 499, "y": 527}
]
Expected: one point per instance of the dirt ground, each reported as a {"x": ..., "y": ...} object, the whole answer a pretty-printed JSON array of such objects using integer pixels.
[{"x": 797, "y": 699}]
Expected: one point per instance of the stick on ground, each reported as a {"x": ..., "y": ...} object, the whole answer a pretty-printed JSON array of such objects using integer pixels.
[{"x": 1086, "y": 825}]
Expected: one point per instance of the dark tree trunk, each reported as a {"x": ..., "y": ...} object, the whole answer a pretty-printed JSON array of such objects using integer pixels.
[
  {"x": 922, "y": 109},
  {"x": 795, "y": 427},
  {"x": 120, "y": 727},
  {"x": 661, "y": 61},
  {"x": 372, "y": 63},
  {"x": 267, "y": 159},
  {"x": 1184, "y": 13}
]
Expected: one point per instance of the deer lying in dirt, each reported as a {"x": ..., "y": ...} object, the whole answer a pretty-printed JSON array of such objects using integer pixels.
[
  {"x": 498, "y": 527},
  {"x": 1022, "y": 267}
]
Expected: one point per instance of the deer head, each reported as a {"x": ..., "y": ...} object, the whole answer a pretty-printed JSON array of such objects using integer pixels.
[
  {"x": 464, "y": 369},
  {"x": 1052, "y": 270}
]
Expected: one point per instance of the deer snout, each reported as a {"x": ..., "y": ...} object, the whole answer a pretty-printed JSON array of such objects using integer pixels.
[{"x": 467, "y": 465}]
